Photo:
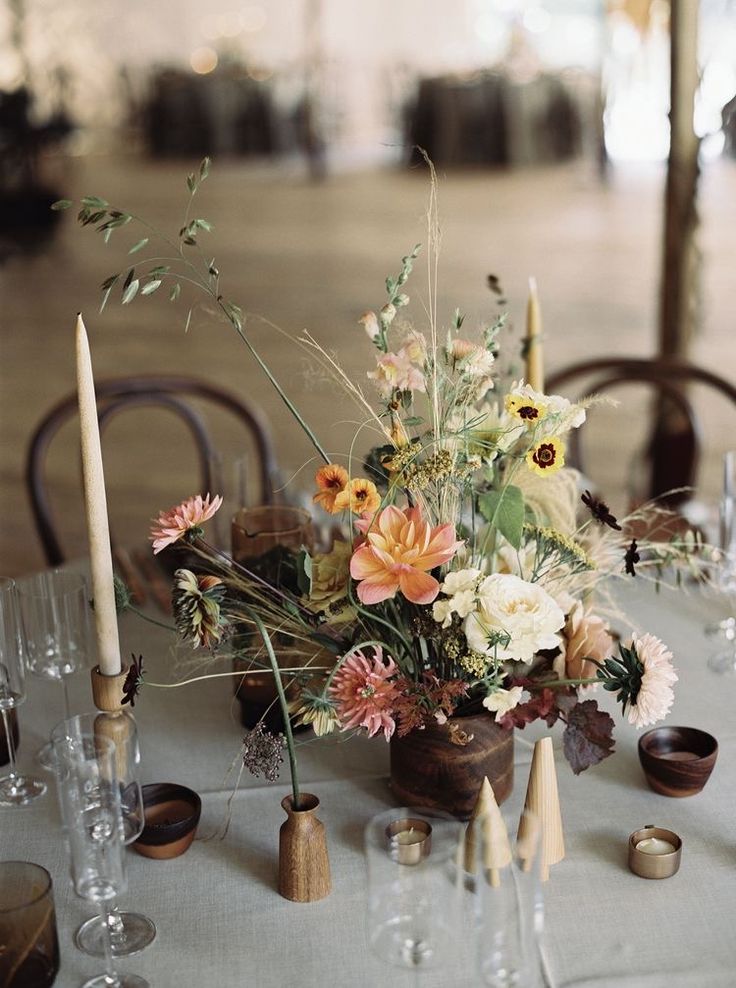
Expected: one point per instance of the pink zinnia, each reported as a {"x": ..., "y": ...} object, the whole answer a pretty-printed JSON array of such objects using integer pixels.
[
  {"x": 399, "y": 549},
  {"x": 172, "y": 525},
  {"x": 363, "y": 694},
  {"x": 655, "y": 696}
]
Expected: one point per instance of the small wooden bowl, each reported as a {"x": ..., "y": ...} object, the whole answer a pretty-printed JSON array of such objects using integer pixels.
[
  {"x": 171, "y": 816},
  {"x": 677, "y": 761}
]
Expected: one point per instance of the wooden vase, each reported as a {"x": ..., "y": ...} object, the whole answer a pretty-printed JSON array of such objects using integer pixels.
[
  {"x": 444, "y": 765},
  {"x": 304, "y": 867}
]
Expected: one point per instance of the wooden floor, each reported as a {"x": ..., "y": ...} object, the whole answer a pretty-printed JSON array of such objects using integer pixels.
[{"x": 316, "y": 257}]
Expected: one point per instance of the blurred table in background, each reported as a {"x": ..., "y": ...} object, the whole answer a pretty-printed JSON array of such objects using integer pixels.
[{"x": 489, "y": 118}]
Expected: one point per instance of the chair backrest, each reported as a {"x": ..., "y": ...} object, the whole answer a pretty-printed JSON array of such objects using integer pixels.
[
  {"x": 171, "y": 392},
  {"x": 673, "y": 449}
]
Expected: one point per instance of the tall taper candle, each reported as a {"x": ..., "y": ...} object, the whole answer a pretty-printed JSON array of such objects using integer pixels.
[
  {"x": 534, "y": 361},
  {"x": 108, "y": 644}
]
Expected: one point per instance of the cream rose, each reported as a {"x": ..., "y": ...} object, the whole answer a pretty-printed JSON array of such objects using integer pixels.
[{"x": 523, "y": 611}]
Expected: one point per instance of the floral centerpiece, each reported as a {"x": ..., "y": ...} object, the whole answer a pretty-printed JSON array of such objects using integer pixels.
[{"x": 463, "y": 583}]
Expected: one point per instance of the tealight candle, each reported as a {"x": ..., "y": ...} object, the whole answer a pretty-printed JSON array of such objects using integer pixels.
[
  {"x": 654, "y": 852},
  {"x": 410, "y": 840},
  {"x": 655, "y": 845}
]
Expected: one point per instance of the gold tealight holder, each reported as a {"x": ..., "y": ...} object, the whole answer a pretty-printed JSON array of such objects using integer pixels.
[
  {"x": 410, "y": 840},
  {"x": 654, "y": 852}
]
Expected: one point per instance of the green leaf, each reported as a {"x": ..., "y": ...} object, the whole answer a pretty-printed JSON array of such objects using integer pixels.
[
  {"x": 190, "y": 241},
  {"x": 505, "y": 510},
  {"x": 191, "y": 183},
  {"x": 95, "y": 202},
  {"x": 109, "y": 282},
  {"x": 105, "y": 297},
  {"x": 131, "y": 291},
  {"x": 128, "y": 278},
  {"x": 203, "y": 225},
  {"x": 413, "y": 420},
  {"x": 204, "y": 169},
  {"x": 189, "y": 319},
  {"x": 159, "y": 269},
  {"x": 139, "y": 246},
  {"x": 151, "y": 287},
  {"x": 175, "y": 292},
  {"x": 61, "y": 204}
]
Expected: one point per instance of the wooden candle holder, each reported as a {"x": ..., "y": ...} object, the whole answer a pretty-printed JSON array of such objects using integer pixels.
[{"x": 107, "y": 691}]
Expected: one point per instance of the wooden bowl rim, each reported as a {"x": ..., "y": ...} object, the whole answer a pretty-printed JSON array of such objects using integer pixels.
[{"x": 704, "y": 737}]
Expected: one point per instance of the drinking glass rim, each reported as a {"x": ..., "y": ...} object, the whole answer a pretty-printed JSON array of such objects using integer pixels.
[
  {"x": 29, "y": 591},
  {"x": 41, "y": 894}
]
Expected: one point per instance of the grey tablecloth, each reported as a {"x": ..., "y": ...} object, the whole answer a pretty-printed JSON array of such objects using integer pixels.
[{"x": 221, "y": 922}]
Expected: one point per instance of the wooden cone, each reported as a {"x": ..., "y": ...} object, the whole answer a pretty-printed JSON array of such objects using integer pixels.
[
  {"x": 487, "y": 824},
  {"x": 543, "y": 801}
]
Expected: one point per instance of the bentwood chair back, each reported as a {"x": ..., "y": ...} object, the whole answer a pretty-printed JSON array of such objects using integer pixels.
[
  {"x": 180, "y": 395},
  {"x": 673, "y": 450}
]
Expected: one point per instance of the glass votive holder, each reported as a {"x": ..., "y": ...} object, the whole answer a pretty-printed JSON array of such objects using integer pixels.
[
  {"x": 29, "y": 957},
  {"x": 502, "y": 859},
  {"x": 414, "y": 886}
]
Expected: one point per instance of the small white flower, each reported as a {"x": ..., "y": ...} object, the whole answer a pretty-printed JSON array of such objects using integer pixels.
[
  {"x": 502, "y": 700},
  {"x": 369, "y": 322},
  {"x": 571, "y": 416},
  {"x": 442, "y": 612},
  {"x": 463, "y": 579},
  {"x": 464, "y": 602},
  {"x": 440, "y": 717}
]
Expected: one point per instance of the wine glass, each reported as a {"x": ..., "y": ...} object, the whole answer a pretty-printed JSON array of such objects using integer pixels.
[
  {"x": 90, "y": 797},
  {"x": 129, "y": 932},
  {"x": 724, "y": 660},
  {"x": 55, "y": 612},
  {"x": 15, "y": 789}
]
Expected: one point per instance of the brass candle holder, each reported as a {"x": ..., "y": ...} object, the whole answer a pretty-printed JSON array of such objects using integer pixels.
[
  {"x": 410, "y": 840},
  {"x": 654, "y": 852}
]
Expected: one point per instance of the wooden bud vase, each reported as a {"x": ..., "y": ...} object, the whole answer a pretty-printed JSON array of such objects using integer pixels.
[
  {"x": 304, "y": 867},
  {"x": 444, "y": 765}
]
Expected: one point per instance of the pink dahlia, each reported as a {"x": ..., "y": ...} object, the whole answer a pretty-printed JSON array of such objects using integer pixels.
[
  {"x": 363, "y": 693},
  {"x": 399, "y": 550},
  {"x": 172, "y": 525},
  {"x": 655, "y": 696}
]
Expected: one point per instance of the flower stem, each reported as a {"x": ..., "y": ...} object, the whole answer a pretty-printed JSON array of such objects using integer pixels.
[
  {"x": 234, "y": 672},
  {"x": 283, "y": 702}
]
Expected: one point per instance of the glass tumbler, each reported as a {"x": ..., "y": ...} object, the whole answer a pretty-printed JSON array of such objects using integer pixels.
[
  {"x": 29, "y": 945},
  {"x": 414, "y": 891}
]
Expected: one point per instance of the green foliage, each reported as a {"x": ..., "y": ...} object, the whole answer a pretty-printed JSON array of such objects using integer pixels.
[{"x": 504, "y": 509}]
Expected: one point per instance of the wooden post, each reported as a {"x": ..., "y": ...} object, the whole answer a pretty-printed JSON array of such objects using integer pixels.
[
  {"x": 680, "y": 271},
  {"x": 679, "y": 311}
]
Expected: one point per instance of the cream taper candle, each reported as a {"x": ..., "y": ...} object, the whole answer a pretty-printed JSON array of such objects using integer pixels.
[
  {"x": 534, "y": 361},
  {"x": 103, "y": 590}
]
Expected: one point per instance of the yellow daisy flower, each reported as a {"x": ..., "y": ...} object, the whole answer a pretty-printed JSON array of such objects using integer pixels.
[
  {"x": 547, "y": 456},
  {"x": 527, "y": 405}
]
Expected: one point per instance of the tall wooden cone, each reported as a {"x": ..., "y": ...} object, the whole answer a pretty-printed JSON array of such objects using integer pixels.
[
  {"x": 543, "y": 801},
  {"x": 486, "y": 825}
]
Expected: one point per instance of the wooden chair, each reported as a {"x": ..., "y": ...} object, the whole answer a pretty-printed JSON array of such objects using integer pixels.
[
  {"x": 673, "y": 450},
  {"x": 172, "y": 392}
]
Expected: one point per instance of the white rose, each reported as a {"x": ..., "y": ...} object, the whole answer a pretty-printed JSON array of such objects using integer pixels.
[
  {"x": 502, "y": 701},
  {"x": 524, "y": 611}
]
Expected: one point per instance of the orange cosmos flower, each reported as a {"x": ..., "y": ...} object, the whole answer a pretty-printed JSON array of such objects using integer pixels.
[
  {"x": 361, "y": 496},
  {"x": 399, "y": 550},
  {"x": 331, "y": 480}
]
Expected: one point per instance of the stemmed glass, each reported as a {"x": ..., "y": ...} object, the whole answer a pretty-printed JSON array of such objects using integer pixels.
[
  {"x": 129, "y": 932},
  {"x": 724, "y": 661},
  {"x": 90, "y": 797},
  {"x": 55, "y": 613},
  {"x": 15, "y": 790}
]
